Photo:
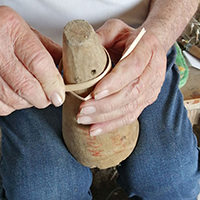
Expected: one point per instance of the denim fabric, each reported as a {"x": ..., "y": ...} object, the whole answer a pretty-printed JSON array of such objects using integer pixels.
[
  {"x": 35, "y": 163},
  {"x": 164, "y": 165}
]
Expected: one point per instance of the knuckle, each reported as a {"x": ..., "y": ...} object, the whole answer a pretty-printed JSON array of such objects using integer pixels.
[
  {"x": 120, "y": 122},
  {"x": 18, "y": 103},
  {"x": 10, "y": 98},
  {"x": 112, "y": 126},
  {"x": 5, "y": 113},
  {"x": 26, "y": 87},
  {"x": 130, "y": 107},
  {"x": 4, "y": 91},
  {"x": 133, "y": 91},
  {"x": 128, "y": 92},
  {"x": 107, "y": 107},
  {"x": 103, "y": 118},
  {"x": 37, "y": 60},
  {"x": 5, "y": 110},
  {"x": 52, "y": 83},
  {"x": 133, "y": 105},
  {"x": 140, "y": 86},
  {"x": 115, "y": 22},
  {"x": 128, "y": 119},
  {"x": 31, "y": 91},
  {"x": 150, "y": 101}
]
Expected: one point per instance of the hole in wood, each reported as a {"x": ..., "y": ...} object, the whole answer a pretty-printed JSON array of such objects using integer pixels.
[{"x": 93, "y": 72}]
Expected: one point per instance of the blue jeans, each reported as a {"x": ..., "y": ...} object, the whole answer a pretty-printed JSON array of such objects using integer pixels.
[{"x": 36, "y": 164}]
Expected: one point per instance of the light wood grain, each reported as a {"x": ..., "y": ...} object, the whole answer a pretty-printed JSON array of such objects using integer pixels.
[{"x": 191, "y": 94}]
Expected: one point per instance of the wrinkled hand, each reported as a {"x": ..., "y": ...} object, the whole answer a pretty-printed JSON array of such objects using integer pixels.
[
  {"x": 28, "y": 76},
  {"x": 132, "y": 85}
]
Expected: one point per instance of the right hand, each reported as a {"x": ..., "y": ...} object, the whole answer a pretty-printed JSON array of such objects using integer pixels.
[
  {"x": 28, "y": 75},
  {"x": 133, "y": 84}
]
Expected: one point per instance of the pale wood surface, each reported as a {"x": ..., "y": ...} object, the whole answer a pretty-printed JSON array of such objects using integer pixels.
[
  {"x": 84, "y": 58},
  {"x": 191, "y": 94},
  {"x": 191, "y": 90}
]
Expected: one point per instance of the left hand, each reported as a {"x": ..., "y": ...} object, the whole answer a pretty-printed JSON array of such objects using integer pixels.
[{"x": 133, "y": 84}]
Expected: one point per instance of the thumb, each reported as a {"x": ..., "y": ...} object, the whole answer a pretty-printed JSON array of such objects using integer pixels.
[
  {"x": 107, "y": 33},
  {"x": 113, "y": 36},
  {"x": 111, "y": 31}
]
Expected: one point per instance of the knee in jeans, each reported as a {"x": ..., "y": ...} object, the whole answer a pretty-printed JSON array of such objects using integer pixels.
[{"x": 159, "y": 177}]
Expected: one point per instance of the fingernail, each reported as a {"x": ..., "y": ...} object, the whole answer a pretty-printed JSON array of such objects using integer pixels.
[
  {"x": 95, "y": 132},
  {"x": 101, "y": 94},
  {"x": 56, "y": 100},
  {"x": 88, "y": 110},
  {"x": 84, "y": 120}
]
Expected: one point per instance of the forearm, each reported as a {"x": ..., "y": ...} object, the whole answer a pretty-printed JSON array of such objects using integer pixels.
[{"x": 167, "y": 19}]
